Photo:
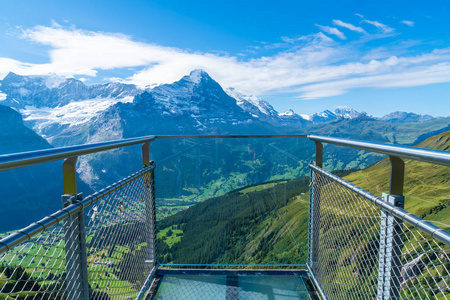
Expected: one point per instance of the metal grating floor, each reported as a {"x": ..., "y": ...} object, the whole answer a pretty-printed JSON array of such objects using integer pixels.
[{"x": 233, "y": 286}]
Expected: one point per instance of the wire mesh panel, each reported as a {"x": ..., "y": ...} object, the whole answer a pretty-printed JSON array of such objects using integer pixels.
[
  {"x": 104, "y": 251},
  {"x": 345, "y": 241},
  {"x": 36, "y": 269},
  {"x": 360, "y": 251},
  {"x": 423, "y": 272},
  {"x": 119, "y": 235}
]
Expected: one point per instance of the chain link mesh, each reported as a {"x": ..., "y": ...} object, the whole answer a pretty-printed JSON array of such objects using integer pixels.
[
  {"x": 35, "y": 269},
  {"x": 114, "y": 238},
  {"x": 345, "y": 249},
  {"x": 119, "y": 231}
]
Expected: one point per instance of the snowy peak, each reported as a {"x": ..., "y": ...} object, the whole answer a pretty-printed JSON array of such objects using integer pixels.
[
  {"x": 404, "y": 117},
  {"x": 196, "y": 96},
  {"x": 252, "y": 104},
  {"x": 347, "y": 113},
  {"x": 197, "y": 75},
  {"x": 288, "y": 113},
  {"x": 341, "y": 112}
]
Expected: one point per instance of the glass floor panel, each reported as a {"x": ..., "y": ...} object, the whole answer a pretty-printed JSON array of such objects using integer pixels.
[{"x": 231, "y": 287}]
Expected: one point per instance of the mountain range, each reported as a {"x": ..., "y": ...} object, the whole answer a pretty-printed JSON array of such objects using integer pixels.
[
  {"x": 60, "y": 112},
  {"x": 57, "y": 108}
]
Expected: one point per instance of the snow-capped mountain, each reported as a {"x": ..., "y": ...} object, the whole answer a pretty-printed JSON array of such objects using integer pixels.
[
  {"x": 290, "y": 119},
  {"x": 254, "y": 105},
  {"x": 342, "y": 112},
  {"x": 66, "y": 111},
  {"x": 52, "y": 91},
  {"x": 404, "y": 117}
]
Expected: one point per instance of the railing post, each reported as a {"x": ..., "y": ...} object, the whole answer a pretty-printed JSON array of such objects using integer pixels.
[
  {"x": 75, "y": 237},
  {"x": 391, "y": 236},
  {"x": 150, "y": 205},
  {"x": 314, "y": 208}
]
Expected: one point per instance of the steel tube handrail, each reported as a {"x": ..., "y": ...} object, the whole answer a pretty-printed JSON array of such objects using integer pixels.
[
  {"x": 23, "y": 159},
  {"x": 231, "y": 136},
  {"x": 432, "y": 156}
]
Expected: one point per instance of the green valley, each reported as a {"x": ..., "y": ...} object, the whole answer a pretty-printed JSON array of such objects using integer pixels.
[{"x": 267, "y": 223}]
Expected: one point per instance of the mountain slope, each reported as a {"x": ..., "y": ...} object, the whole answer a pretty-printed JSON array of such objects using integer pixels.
[
  {"x": 257, "y": 224},
  {"x": 427, "y": 186},
  {"x": 27, "y": 194}
]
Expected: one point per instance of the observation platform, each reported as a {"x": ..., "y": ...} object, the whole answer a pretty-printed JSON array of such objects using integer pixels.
[
  {"x": 232, "y": 284},
  {"x": 339, "y": 241}
]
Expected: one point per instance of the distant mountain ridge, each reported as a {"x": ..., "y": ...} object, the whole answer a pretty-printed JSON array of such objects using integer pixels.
[
  {"x": 404, "y": 117},
  {"x": 52, "y": 104},
  {"x": 53, "y": 91}
]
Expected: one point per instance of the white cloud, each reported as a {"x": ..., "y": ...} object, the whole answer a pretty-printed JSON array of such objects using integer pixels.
[
  {"x": 349, "y": 26},
  {"x": 381, "y": 26},
  {"x": 332, "y": 30},
  {"x": 409, "y": 23},
  {"x": 312, "y": 66},
  {"x": 417, "y": 76}
]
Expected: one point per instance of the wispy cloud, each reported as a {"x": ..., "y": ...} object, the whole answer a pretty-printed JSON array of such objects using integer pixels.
[
  {"x": 313, "y": 66},
  {"x": 333, "y": 31},
  {"x": 349, "y": 26},
  {"x": 381, "y": 26},
  {"x": 409, "y": 23}
]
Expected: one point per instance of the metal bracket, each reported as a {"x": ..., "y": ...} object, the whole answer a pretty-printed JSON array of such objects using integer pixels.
[
  {"x": 319, "y": 154},
  {"x": 70, "y": 176},
  {"x": 146, "y": 154}
]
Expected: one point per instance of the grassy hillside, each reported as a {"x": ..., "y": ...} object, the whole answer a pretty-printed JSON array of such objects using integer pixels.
[
  {"x": 258, "y": 224},
  {"x": 427, "y": 186}
]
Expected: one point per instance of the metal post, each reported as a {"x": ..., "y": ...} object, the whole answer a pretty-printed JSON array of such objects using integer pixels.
[
  {"x": 314, "y": 209},
  {"x": 150, "y": 206},
  {"x": 311, "y": 219},
  {"x": 391, "y": 237},
  {"x": 151, "y": 213},
  {"x": 75, "y": 237}
]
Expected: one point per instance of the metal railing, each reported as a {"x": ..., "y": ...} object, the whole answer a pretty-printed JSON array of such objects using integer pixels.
[
  {"x": 366, "y": 247},
  {"x": 98, "y": 247},
  {"x": 103, "y": 246}
]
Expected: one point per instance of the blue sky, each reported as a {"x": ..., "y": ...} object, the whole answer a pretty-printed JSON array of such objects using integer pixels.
[{"x": 374, "y": 56}]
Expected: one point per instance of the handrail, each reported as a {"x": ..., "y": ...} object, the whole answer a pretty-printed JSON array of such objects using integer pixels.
[
  {"x": 24, "y": 159},
  {"x": 231, "y": 136},
  {"x": 432, "y": 156}
]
